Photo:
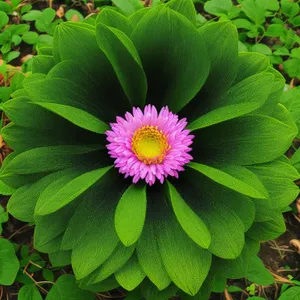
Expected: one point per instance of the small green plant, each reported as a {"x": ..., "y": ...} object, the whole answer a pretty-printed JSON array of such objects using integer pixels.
[
  {"x": 109, "y": 101},
  {"x": 271, "y": 24}
]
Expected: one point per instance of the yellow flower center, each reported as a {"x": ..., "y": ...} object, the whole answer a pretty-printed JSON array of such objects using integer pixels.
[{"x": 150, "y": 145}]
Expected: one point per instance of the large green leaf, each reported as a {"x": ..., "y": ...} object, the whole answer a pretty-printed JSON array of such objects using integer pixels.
[
  {"x": 22, "y": 203},
  {"x": 278, "y": 176},
  {"x": 9, "y": 263},
  {"x": 100, "y": 85},
  {"x": 232, "y": 268},
  {"x": 241, "y": 99},
  {"x": 249, "y": 64},
  {"x": 268, "y": 230},
  {"x": 171, "y": 81},
  {"x": 189, "y": 220},
  {"x": 184, "y": 7},
  {"x": 130, "y": 214},
  {"x": 76, "y": 116},
  {"x": 67, "y": 190},
  {"x": 149, "y": 256},
  {"x": 245, "y": 140},
  {"x": 150, "y": 291},
  {"x": 125, "y": 60},
  {"x": 49, "y": 228},
  {"x": 42, "y": 63},
  {"x": 114, "y": 19},
  {"x": 234, "y": 182},
  {"x": 118, "y": 258},
  {"x": 211, "y": 202},
  {"x": 222, "y": 46},
  {"x": 46, "y": 159},
  {"x": 131, "y": 274},
  {"x": 94, "y": 239},
  {"x": 60, "y": 91},
  {"x": 66, "y": 288},
  {"x": 186, "y": 263},
  {"x": 291, "y": 293}
]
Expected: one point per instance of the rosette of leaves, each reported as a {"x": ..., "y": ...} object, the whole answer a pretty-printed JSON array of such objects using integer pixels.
[{"x": 168, "y": 237}]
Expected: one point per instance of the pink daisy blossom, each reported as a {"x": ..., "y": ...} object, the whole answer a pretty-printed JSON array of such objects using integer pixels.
[{"x": 149, "y": 145}]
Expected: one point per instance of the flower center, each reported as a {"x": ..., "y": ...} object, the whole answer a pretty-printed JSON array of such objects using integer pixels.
[{"x": 150, "y": 145}]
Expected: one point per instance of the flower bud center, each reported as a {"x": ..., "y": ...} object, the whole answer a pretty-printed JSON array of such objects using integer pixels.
[{"x": 150, "y": 145}]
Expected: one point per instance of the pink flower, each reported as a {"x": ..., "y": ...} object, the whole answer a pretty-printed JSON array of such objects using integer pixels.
[{"x": 149, "y": 145}]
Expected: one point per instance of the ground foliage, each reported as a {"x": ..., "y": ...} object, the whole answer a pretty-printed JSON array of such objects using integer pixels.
[{"x": 267, "y": 27}]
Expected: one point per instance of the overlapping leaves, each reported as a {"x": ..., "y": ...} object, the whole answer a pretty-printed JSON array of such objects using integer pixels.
[{"x": 178, "y": 233}]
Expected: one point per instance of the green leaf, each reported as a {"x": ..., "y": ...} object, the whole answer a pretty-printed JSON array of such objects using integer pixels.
[
  {"x": 3, "y": 19},
  {"x": 32, "y": 15},
  {"x": 293, "y": 293},
  {"x": 9, "y": 263},
  {"x": 130, "y": 275},
  {"x": 25, "y": 8},
  {"x": 218, "y": 7},
  {"x": 235, "y": 183},
  {"x": 151, "y": 292},
  {"x": 186, "y": 263},
  {"x": 257, "y": 272},
  {"x": 130, "y": 214},
  {"x": 283, "y": 51},
  {"x": 295, "y": 21},
  {"x": 255, "y": 10},
  {"x": 76, "y": 116},
  {"x": 268, "y": 230},
  {"x": 42, "y": 64},
  {"x": 221, "y": 41},
  {"x": 232, "y": 268},
  {"x": 6, "y": 189},
  {"x": 30, "y": 37},
  {"x": 125, "y": 60},
  {"x": 292, "y": 67},
  {"x": 217, "y": 207},
  {"x": 189, "y": 220},
  {"x": 245, "y": 140},
  {"x": 163, "y": 50},
  {"x": 184, "y": 7},
  {"x": 44, "y": 21},
  {"x": 45, "y": 159},
  {"x": 22, "y": 203},
  {"x": 240, "y": 99},
  {"x": 68, "y": 192},
  {"x": 261, "y": 48},
  {"x": 45, "y": 40},
  {"x": 92, "y": 63},
  {"x": 29, "y": 292},
  {"x": 83, "y": 234},
  {"x": 289, "y": 8},
  {"x": 66, "y": 288},
  {"x": 274, "y": 30},
  {"x": 278, "y": 178},
  {"x": 150, "y": 258},
  {"x": 48, "y": 275},
  {"x": 60, "y": 258},
  {"x": 243, "y": 23},
  {"x": 11, "y": 56},
  {"x": 128, "y": 7},
  {"x": 74, "y": 15},
  {"x": 118, "y": 258},
  {"x": 114, "y": 19},
  {"x": 49, "y": 229}
]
